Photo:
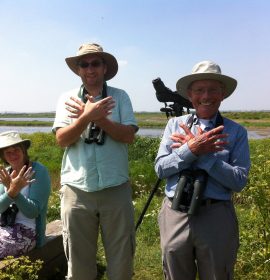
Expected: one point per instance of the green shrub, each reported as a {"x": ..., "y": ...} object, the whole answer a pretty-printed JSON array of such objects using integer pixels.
[
  {"x": 254, "y": 216},
  {"x": 45, "y": 149},
  {"x": 142, "y": 155},
  {"x": 21, "y": 268},
  {"x": 53, "y": 212},
  {"x": 252, "y": 204},
  {"x": 144, "y": 149}
]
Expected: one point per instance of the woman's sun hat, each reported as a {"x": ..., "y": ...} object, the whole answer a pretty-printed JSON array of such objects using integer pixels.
[
  {"x": 95, "y": 49},
  {"x": 11, "y": 138},
  {"x": 206, "y": 70}
]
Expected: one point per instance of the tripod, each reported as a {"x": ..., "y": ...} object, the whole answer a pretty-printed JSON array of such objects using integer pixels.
[{"x": 165, "y": 95}]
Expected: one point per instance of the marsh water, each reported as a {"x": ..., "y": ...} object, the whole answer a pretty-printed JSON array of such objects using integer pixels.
[{"x": 149, "y": 132}]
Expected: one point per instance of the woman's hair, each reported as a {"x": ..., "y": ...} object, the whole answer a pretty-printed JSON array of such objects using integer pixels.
[{"x": 24, "y": 149}]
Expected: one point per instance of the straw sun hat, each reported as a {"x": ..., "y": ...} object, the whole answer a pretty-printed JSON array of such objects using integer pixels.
[
  {"x": 95, "y": 49},
  {"x": 11, "y": 138},
  {"x": 206, "y": 70}
]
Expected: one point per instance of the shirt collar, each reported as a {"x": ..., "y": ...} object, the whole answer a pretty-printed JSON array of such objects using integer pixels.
[
  {"x": 204, "y": 123},
  {"x": 82, "y": 88}
]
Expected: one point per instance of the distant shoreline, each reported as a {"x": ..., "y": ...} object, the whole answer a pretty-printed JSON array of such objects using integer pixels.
[
  {"x": 254, "y": 121},
  {"x": 143, "y": 131}
]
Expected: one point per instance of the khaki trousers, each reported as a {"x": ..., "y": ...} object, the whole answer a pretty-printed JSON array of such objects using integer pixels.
[
  {"x": 206, "y": 244},
  {"x": 83, "y": 214}
]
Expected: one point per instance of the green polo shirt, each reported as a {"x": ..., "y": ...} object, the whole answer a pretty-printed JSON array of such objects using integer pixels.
[{"x": 92, "y": 167}]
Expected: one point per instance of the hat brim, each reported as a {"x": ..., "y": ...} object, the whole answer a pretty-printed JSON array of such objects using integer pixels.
[
  {"x": 25, "y": 142},
  {"x": 110, "y": 60},
  {"x": 183, "y": 83}
]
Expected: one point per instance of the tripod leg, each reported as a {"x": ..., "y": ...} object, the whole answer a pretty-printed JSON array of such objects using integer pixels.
[{"x": 147, "y": 203}]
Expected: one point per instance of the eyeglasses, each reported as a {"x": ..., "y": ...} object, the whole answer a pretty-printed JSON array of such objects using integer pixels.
[
  {"x": 94, "y": 64},
  {"x": 211, "y": 91}
]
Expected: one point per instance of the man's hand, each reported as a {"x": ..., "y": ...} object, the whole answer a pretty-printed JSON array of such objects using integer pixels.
[
  {"x": 181, "y": 139},
  {"x": 100, "y": 109},
  {"x": 91, "y": 109},
  {"x": 76, "y": 107},
  {"x": 203, "y": 142}
]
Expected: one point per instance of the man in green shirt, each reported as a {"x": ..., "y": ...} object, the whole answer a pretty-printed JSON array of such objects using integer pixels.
[{"x": 94, "y": 124}]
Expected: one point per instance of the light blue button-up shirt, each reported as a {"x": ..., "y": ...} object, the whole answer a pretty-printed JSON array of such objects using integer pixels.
[
  {"x": 92, "y": 167},
  {"x": 227, "y": 169}
]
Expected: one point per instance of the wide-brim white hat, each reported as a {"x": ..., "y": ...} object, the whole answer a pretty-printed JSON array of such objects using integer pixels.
[
  {"x": 95, "y": 49},
  {"x": 11, "y": 138},
  {"x": 206, "y": 70}
]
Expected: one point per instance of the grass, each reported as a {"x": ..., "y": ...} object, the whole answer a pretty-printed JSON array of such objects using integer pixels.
[
  {"x": 252, "y": 204},
  {"x": 148, "y": 255},
  {"x": 24, "y": 123}
]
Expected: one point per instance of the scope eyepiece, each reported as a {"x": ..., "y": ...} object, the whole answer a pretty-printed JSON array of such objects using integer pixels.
[{"x": 165, "y": 94}]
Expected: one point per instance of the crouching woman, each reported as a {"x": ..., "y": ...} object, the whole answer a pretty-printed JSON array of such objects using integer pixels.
[{"x": 24, "y": 192}]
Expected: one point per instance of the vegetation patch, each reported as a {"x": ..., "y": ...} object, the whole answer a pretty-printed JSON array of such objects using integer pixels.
[{"x": 252, "y": 205}]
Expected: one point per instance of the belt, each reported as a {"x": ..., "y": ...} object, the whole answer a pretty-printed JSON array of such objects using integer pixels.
[
  {"x": 210, "y": 201},
  {"x": 207, "y": 201}
]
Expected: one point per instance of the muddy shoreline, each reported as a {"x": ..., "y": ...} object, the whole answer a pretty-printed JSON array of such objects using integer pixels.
[{"x": 265, "y": 131}]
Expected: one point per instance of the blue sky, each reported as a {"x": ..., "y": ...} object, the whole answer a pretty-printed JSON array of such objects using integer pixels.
[{"x": 149, "y": 38}]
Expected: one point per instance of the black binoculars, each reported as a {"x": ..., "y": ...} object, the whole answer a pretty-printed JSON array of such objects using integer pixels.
[
  {"x": 96, "y": 135},
  {"x": 189, "y": 191},
  {"x": 8, "y": 217}
]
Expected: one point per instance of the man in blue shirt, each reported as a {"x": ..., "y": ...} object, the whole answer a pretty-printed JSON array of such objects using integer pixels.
[
  {"x": 205, "y": 242},
  {"x": 94, "y": 124}
]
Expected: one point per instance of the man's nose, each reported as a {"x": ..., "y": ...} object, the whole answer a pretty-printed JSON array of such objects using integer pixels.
[{"x": 206, "y": 93}]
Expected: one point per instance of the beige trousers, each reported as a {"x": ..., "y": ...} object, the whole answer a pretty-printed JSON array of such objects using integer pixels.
[
  {"x": 84, "y": 214},
  {"x": 206, "y": 244}
]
